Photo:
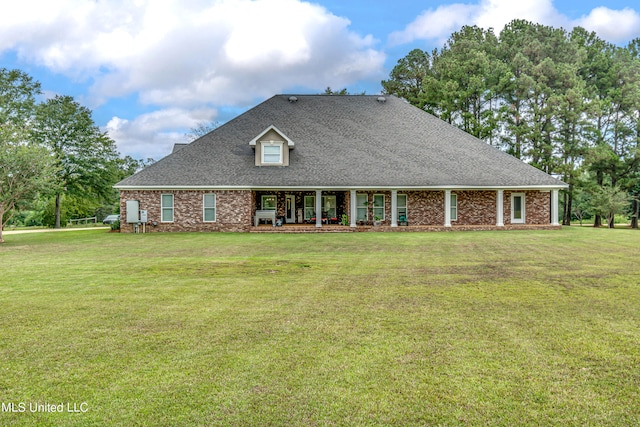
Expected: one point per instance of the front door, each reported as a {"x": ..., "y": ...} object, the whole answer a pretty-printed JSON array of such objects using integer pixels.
[{"x": 291, "y": 209}]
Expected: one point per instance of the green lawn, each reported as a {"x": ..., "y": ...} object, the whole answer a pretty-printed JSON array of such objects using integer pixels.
[{"x": 388, "y": 329}]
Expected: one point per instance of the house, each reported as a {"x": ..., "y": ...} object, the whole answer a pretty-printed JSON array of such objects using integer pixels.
[{"x": 312, "y": 159}]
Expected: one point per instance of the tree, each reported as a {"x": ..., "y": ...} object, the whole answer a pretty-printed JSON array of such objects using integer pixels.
[
  {"x": 17, "y": 97},
  {"x": 85, "y": 156},
  {"x": 566, "y": 103},
  {"x": 343, "y": 91},
  {"x": 543, "y": 64},
  {"x": 25, "y": 170},
  {"x": 581, "y": 205},
  {"x": 405, "y": 80},
  {"x": 462, "y": 86},
  {"x": 609, "y": 201},
  {"x": 199, "y": 131}
]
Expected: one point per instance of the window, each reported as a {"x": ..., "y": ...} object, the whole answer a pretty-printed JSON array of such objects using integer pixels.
[
  {"x": 271, "y": 153},
  {"x": 269, "y": 203},
  {"x": 454, "y": 207},
  {"x": 209, "y": 207},
  {"x": 329, "y": 206},
  {"x": 378, "y": 207},
  {"x": 362, "y": 201},
  {"x": 402, "y": 207},
  {"x": 517, "y": 208},
  {"x": 167, "y": 207},
  {"x": 309, "y": 207}
]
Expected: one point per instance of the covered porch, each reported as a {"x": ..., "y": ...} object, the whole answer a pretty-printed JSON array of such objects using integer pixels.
[{"x": 405, "y": 210}]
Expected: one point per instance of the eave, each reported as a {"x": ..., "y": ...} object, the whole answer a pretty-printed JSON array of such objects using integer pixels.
[{"x": 561, "y": 185}]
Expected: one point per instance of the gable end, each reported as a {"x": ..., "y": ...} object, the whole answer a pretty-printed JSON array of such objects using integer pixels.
[{"x": 272, "y": 148}]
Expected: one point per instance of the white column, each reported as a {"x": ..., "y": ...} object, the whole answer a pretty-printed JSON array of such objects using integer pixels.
[
  {"x": 394, "y": 208},
  {"x": 554, "y": 207},
  {"x": 353, "y": 209},
  {"x": 447, "y": 208},
  {"x": 318, "y": 208},
  {"x": 500, "y": 208}
]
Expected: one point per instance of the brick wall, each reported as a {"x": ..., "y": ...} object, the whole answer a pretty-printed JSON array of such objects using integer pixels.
[
  {"x": 425, "y": 207},
  {"x": 479, "y": 207},
  {"x": 537, "y": 207},
  {"x": 476, "y": 207},
  {"x": 233, "y": 210}
]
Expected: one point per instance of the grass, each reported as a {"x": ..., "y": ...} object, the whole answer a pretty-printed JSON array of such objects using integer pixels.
[{"x": 406, "y": 329}]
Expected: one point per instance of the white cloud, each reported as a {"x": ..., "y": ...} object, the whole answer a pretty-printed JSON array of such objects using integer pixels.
[
  {"x": 498, "y": 13},
  {"x": 435, "y": 24},
  {"x": 181, "y": 55},
  {"x": 438, "y": 24},
  {"x": 153, "y": 134},
  {"x": 185, "y": 53},
  {"x": 612, "y": 25}
]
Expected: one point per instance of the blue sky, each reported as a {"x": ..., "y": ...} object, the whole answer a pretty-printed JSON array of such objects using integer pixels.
[{"x": 152, "y": 69}]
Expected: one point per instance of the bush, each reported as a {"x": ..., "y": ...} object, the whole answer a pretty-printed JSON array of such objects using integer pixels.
[{"x": 115, "y": 225}]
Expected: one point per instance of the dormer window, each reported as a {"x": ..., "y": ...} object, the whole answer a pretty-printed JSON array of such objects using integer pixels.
[
  {"x": 272, "y": 147},
  {"x": 272, "y": 152}
]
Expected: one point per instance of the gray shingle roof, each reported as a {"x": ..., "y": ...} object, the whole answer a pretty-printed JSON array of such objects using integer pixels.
[{"x": 343, "y": 142}]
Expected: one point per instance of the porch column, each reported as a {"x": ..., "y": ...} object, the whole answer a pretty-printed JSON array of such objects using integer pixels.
[
  {"x": 554, "y": 207},
  {"x": 500, "y": 208},
  {"x": 353, "y": 209},
  {"x": 394, "y": 208},
  {"x": 447, "y": 208},
  {"x": 318, "y": 208}
]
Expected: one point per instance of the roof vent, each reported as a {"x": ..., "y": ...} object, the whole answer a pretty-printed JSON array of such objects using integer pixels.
[
  {"x": 293, "y": 99},
  {"x": 382, "y": 99}
]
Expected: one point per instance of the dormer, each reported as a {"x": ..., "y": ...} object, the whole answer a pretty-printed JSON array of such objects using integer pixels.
[{"x": 272, "y": 147}]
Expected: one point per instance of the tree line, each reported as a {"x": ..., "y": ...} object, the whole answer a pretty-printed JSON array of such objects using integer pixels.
[
  {"x": 54, "y": 160},
  {"x": 567, "y": 102}
]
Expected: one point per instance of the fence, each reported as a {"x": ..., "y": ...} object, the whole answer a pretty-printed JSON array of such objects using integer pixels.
[{"x": 93, "y": 219}]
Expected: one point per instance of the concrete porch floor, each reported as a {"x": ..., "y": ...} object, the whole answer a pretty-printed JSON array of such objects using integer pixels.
[{"x": 334, "y": 228}]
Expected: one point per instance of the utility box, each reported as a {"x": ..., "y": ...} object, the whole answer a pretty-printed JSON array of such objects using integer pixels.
[
  {"x": 143, "y": 216},
  {"x": 133, "y": 211}
]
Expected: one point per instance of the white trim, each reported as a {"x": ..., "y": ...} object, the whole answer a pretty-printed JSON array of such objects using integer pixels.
[
  {"x": 447, "y": 208},
  {"x": 500, "y": 208},
  {"x": 353, "y": 208},
  {"x": 451, "y": 207},
  {"x": 293, "y": 208},
  {"x": 394, "y": 208},
  {"x": 162, "y": 208},
  {"x": 554, "y": 207},
  {"x": 255, "y": 140},
  {"x": 279, "y": 144},
  {"x": 523, "y": 213},
  {"x": 318, "y": 208},
  {"x": 214, "y": 207},
  {"x": 329, "y": 188}
]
